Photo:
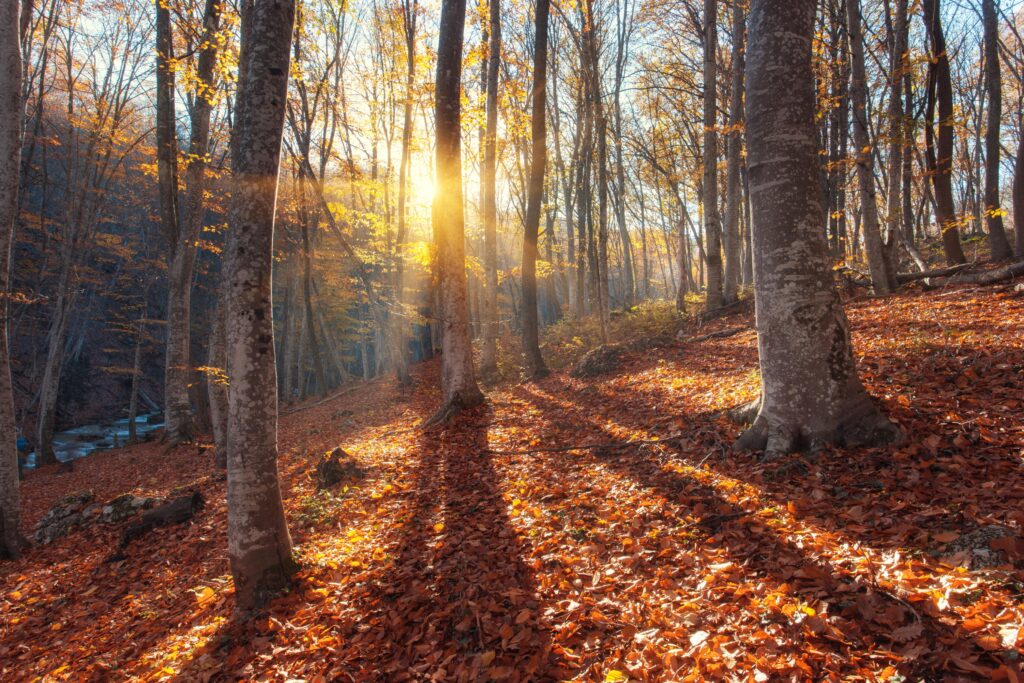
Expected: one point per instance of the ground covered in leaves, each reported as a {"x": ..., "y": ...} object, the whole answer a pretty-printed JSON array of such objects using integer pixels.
[{"x": 591, "y": 529}]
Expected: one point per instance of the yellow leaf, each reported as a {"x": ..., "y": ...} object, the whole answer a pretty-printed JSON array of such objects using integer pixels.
[
  {"x": 614, "y": 676},
  {"x": 439, "y": 527},
  {"x": 204, "y": 595}
]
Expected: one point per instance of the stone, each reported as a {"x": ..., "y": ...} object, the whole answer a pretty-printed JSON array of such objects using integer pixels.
[
  {"x": 977, "y": 546},
  {"x": 336, "y": 467}
]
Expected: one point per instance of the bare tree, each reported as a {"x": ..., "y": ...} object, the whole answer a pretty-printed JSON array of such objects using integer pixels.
[
  {"x": 531, "y": 332},
  {"x": 458, "y": 381},
  {"x": 993, "y": 83},
  {"x": 489, "y": 205},
  {"x": 811, "y": 393},
  {"x": 259, "y": 545}
]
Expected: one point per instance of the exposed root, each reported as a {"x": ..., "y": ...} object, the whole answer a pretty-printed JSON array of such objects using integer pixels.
[
  {"x": 453, "y": 407},
  {"x": 867, "y": 427}
]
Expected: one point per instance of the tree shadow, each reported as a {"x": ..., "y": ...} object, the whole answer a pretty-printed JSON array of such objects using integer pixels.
[
  {"x": 458, "y": 602},
  {"x": 864, "y": 616}
]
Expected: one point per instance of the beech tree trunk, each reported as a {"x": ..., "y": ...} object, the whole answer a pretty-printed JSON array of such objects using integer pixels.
[
  {"x": 1018, "y": 194},
  {"x": 259, "y": 545},
  {"x": 733, "y": 149},
  {"x": 709, "y": 186},
  {"x": 882, "y": 280},
  {"x": 10, "y": 172},
  {"x": 488, "y": 173},
  {"x": 531, "y": 329},
  {"x": 458, "y": 381},
  {"x": 178, "y": 425},
  {"x": 998, "y": 241},
  {"x": 939, "y": 146},
  {"x": 811, "y": 393}
]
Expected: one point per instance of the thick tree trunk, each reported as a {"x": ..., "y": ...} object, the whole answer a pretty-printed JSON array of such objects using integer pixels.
[
  {"x": 939, "y": 151},
  {"x": 881, "y": 277},
  {"x": 993, "y": 82},
  {"x": 54, "y": 363},
  {"x": 709, "y": 185},
  {"x": 458, "y": 381},
  {"x": 531, "y": 329},
  {"x": 488, "y": 173},
  {"x": 259, "y": 545},
  {"x": 811, "y": 393},
  {"x": 10, "y": 172},
  {"x": 733, "y": 149}
]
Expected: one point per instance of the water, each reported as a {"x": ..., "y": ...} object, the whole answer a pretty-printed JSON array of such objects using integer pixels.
[{"x": 81, "y": 441}]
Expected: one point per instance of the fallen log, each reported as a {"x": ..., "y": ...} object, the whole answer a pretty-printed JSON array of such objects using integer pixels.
[
  {"x": 986, "y": 277},
  {"x": 177, "y": 511},
  {"x": 904, "y": 278}
]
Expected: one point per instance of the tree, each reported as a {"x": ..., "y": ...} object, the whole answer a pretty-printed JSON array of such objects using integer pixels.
[
  {"x": 882, "y": 281},
  {"x": 811, "y": 393},
  {"x": 489, "y": 204},
  {"x": 10, "y": 171},
  {"x": 993, "y": 83},
  {"x": 458, "y": 381},
  {"x": 259, "y": 545},
  {"x": 733, "y": 146},
  {"x": 709, "y": 184},
  {"x": 939, "y": 146},
  {"x": 531, "y": 332}
]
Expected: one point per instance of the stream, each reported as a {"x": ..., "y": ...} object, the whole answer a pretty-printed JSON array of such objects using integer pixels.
[{"x": 79, "y": 442}]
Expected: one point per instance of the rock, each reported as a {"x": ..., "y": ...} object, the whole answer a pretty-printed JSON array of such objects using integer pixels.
[
  {"x": 68, "y": 513},
  {"x": 978, "y": 546},
  {"x": 598, "y": 361},
  {"x": 336, "y": 467}
]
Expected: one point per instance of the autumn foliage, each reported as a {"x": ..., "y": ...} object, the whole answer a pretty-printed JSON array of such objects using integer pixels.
[{"x": 596, "y": 529}]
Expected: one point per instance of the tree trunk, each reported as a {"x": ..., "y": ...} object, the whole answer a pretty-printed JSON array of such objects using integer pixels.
[
  {"x": 488, "y": 178},
  {"x": 178, "y": 425},
  {"x": 811, "y": 393},
  {"x": 734, "y": 144},
  {"x": 458, "y": 381},
  {"x": 410, "y": 9},
  {"x": 531, "y": 332},
  {"x": 998, "y": 241},
  {"x": 259, "y": 545},
  {"x": 881, "y": 278},
  {"x": 939, "y": 151},
  {"x": 709, "y": 185},
  {"x": 1018, "y": 193},
  {"x": 10, "y": 171}
]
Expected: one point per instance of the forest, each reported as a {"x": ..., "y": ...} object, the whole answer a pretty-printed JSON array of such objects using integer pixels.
[{"x": 511, "y": 340}]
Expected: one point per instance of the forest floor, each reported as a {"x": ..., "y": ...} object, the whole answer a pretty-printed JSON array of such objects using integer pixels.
[{"x": 478, "y": 551}]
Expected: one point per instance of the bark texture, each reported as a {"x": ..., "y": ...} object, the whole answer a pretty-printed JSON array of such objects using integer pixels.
[
  {"x": 733, "y": 150},
  {"x": 10, "y": 168},
  {"x": 458, "y": 380},
  {"x": 811, "y": 393},
  {"x": 259, "y": 545},
  {"x": 712, "y": 222}
]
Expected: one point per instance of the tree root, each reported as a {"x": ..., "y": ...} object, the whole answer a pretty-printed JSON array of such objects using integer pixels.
[
  {"x": 453, "y": 407},
  {"x": 865, "y": 427}
]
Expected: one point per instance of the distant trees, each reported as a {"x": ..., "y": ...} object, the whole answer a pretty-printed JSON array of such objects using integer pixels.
[{"x": 811, "y": 393}]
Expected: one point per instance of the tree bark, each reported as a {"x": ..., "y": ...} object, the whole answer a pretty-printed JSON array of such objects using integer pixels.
[
  {"x": 488, "y": 172},
  {"x": 998, "y": 241},
  {"x": 531, "y": 328},
  {"x": 1018, "y": 193},
  {"x": 458, "y": 381},
  {"x": 811, "y": 393},
  {"x": 939, "y": 146},
  {"x": 259, "y": 545},
  {"x": 10, "y": 172}
]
